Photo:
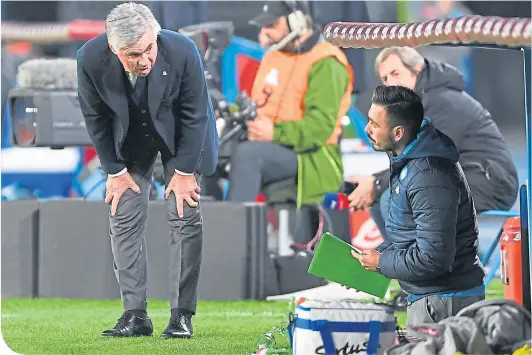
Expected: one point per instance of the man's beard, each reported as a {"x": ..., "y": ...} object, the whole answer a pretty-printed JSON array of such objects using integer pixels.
[
  {"x": 391, "y": 144},
  {"x": 388, "y": 145},
  {"x": 375, "y": 146}
]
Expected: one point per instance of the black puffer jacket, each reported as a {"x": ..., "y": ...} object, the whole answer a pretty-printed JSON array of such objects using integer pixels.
[
  {"x": 431, "y": 219},
  {"x": 484, "y": 154}
]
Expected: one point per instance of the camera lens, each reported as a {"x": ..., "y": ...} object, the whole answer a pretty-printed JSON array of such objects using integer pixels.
[{"x": 24, "y": 125}]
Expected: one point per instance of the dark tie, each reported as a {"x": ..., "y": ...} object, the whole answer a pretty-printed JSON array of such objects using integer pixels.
[{"x": 140, "y": 84}]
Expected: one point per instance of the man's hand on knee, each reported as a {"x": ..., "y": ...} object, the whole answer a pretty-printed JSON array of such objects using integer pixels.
[
  {"x": 115, "y": 188},
  {"x": 185, "y": 188}
]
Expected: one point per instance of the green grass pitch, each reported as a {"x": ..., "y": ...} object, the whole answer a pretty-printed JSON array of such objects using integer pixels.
[{"x": 60, "y": 326}]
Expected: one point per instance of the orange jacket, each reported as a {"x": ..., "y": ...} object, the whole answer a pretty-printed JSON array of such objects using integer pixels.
[{"x": 282, "y": 79}]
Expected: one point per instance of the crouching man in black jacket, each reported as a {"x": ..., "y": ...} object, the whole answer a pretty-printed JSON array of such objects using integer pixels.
[{"x": 431, "y": 221}]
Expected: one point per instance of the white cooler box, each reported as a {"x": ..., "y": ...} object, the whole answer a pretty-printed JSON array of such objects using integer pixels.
[{"x": 342, "y": 327}]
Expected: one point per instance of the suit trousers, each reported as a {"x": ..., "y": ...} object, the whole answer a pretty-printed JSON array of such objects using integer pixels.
[{"x": 127, "y": 232}]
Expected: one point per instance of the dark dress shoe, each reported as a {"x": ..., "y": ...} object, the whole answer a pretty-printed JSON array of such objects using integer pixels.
[
  {"x": 180, "y": 326},
  {"x": 131, "y": 324}
]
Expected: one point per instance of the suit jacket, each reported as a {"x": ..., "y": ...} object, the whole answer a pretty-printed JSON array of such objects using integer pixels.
[{"x": 178, "y": 101}]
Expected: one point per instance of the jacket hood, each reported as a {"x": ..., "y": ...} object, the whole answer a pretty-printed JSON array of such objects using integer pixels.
[
  {"x": 438, "y": 75},
  {"x": 429, "y": 143}
]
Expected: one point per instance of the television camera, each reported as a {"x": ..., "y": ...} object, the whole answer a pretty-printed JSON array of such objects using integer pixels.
[{"x": 44, "y": 108}]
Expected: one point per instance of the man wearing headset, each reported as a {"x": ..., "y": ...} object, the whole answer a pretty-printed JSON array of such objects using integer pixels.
[{"x": 303, "y": 89}]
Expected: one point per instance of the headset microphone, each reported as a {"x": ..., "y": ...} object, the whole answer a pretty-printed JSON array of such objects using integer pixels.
[{"x": 299, "y": 23}]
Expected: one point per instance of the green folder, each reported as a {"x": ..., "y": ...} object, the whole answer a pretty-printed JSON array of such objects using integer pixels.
[{"x": 333, "y": 261}]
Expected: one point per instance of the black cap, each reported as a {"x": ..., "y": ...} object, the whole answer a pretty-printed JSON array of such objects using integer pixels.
[{"x": 271, "y": 11}]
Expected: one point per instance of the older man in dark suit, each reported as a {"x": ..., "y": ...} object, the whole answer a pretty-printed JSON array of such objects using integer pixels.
[{"x": 142, "y": 91}]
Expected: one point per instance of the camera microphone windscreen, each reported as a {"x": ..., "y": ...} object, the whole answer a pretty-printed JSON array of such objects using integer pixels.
[{"x": 48, "y": 74}]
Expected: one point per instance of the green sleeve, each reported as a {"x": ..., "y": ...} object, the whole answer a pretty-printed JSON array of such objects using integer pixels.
[{"x": 328, "y": 80}]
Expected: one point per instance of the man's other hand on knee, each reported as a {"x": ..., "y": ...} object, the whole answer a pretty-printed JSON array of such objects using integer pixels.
[{"x": 185, "y": 189}]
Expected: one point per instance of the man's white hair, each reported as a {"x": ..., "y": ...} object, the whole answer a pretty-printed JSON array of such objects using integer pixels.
[
  {"x": 409, "y": 56},
  {"x": 127, "y": 23}
]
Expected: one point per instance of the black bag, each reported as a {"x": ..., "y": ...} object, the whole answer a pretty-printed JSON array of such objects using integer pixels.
[
  {"x": 337, "y": 223},
  {"x": 292, "y": 275}
]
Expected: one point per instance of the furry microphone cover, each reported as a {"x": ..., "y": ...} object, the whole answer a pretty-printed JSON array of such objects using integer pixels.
[{"x": 48, "y": 74}]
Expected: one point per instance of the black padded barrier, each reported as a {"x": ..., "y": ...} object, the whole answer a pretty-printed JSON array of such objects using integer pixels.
[
  {"x": 75, "y": 259},
  {"x": 19, "y": 248}
]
